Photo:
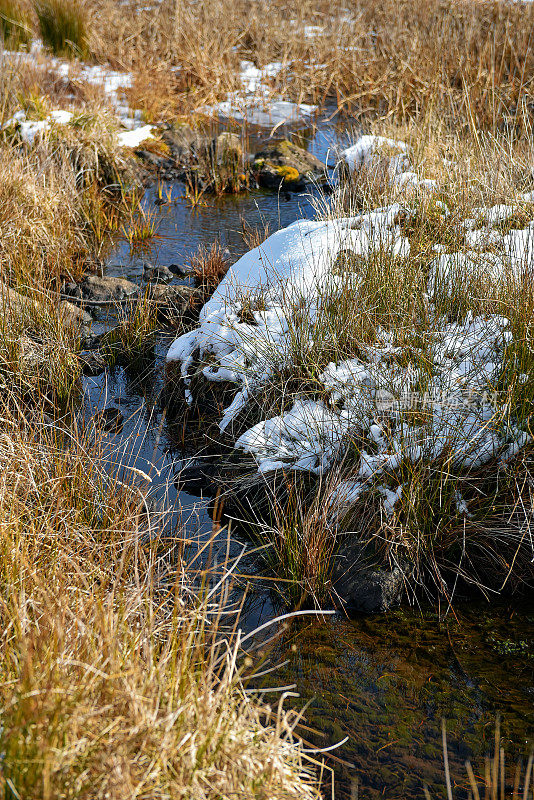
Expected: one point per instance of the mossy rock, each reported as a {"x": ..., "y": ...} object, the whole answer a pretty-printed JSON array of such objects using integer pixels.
[{"x": 286, "y": 165}]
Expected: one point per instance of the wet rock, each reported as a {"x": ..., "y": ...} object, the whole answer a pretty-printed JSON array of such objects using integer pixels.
[
  {"x": 107, "y": 289},
  {"x": 92, "y": 362},
  {"x": 198, "y": 477},
  {"x": 286, "y": 165},
  {"x": 158, "y": 272},
  {"x": 363, "y": 586},
  {"x": 110, "y": 420},
  {"x": 180, "y": 269}
]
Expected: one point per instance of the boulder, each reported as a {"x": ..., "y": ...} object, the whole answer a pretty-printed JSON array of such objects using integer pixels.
[
  {"x": 285, "y": 164},
  {"x": 73, "y": 314}
]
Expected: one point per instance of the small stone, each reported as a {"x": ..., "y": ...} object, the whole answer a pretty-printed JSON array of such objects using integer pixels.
[{"x": 157, "y": 273}]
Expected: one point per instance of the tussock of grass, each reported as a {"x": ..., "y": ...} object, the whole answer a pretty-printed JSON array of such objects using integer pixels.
[
  {"x": 209, "y": 265},
  {"x": 63, "y": 26},
  {"x": 132, "y": 340},
  {"x": 117, "y": 680}
]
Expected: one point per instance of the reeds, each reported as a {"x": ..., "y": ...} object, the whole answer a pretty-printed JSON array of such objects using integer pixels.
[
  {"x": 496, "y": 781},
  {"x": 208, "y": 266},
  {"x": 467, "y": 61},
  {"x": 63, "y": 26},
  {"x": 15, "y": 25}
]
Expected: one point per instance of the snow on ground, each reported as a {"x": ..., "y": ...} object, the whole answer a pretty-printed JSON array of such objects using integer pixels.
[
  {"x": 254, "y": 102},
  {"x": 371, "y": 151},
  {"x": 112, "y": 83},
  {"x": 435, "y": 398},
  {"x": 29, "y": 129}
]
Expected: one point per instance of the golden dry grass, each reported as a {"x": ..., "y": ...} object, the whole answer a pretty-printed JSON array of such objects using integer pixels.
[
  {"x": 117, "y": 680},
  {"x": 470, "y": 60}
]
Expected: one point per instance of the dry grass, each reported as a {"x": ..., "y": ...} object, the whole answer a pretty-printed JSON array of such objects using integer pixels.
[
  {"x": 62, "y": 26},
  {"x": 15, "y": 28},
  {"x": 209, "y": 265},
  {"x": 117, "y": 680},
  {"x": 467, "y": 60}
]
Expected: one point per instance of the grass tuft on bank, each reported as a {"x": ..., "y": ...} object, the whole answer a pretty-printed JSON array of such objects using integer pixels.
[{"x": 118, "y": 677}]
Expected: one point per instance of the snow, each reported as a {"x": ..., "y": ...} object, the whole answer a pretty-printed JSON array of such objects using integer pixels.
[
  {"x": 370, "y": 152},
  {"x": 29, "y": 129},
  {"x": 434, "y": 399},
  {"x": 254, "y": 102},
  {"x": 113, "y": 84},
  {"x": 134, "y": 137}
]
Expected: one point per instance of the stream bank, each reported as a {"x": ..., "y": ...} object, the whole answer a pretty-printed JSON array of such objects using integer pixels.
[{"x": 400, "y": 673}]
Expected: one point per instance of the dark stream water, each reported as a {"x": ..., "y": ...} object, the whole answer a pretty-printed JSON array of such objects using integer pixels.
[{"x": 385, "y": 682}]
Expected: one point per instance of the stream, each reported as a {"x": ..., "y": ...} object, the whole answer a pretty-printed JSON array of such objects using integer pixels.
[{"x": 385, "y": 682}]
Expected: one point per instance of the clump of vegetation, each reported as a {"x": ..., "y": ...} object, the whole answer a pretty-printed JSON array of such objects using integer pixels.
[
  {"x": 254, "y": 236},
  {"x": 133, "y": 339},
  {"x": 141, "y": 226},
  {"x": 209, "y": 265},
  {"x": 299, "y": 546},
  {"x": 117, "y": 677},
  {"x": 63, "y": 26},
  {"x": 15, "y": 25}
]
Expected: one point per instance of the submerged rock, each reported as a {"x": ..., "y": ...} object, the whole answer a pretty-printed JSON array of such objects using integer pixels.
[
  {"x": 364, "y": 586},
  {"x": 198, "y": 478},
  {"x": 284, "y": 164}
]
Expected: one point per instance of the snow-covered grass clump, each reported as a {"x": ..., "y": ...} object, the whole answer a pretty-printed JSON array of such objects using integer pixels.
[{"x": 387, "y": 343}]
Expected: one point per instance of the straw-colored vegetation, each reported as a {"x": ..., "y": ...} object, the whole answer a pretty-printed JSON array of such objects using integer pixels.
[
  {"x": 467, "y": 60},
  {"x": 15, "y": 27},
  {"x": 117, "y": 678},
  {"x": 119, "y": 675}
]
